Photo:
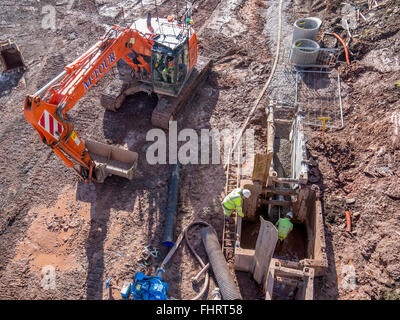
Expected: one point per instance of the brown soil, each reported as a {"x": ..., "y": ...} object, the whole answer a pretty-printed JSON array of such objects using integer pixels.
[{"x": 361, "y": 162}]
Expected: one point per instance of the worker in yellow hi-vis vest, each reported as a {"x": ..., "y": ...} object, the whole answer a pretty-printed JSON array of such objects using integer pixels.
[
  {"x": 284, "y": 226},
  {"x": 234, "y": 201}
]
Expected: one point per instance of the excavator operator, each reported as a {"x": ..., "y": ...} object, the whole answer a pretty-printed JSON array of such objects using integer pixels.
[{"x": 168, "y": 71}]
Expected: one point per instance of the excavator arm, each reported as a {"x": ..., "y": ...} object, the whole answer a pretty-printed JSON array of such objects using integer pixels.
[{"x": 47, "y": 109}]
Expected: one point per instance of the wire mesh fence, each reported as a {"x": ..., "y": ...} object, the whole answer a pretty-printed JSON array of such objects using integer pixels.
[
  {"x": 282, "y": 87},
  {"x": 305, "y": 57},
  {"x": 312, "y": 89},
  {"x": 319, "y": 97},
  {"x": 299, "y": 58}
]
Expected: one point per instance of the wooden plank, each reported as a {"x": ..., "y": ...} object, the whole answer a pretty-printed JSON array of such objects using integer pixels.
[
  {"x": 244, "y": 259},
  {"x": 265, "y": 247},
  {"x": 320, "y": 241},
  {"x": 286, "y": 180},
  {"x": 262, "y": 164},
  {"x": 288, "y": 281},
  {"x": 286, "y": 263}
]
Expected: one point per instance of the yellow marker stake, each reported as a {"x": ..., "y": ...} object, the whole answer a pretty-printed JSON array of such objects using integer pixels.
[{"x": 323, "y": 123}]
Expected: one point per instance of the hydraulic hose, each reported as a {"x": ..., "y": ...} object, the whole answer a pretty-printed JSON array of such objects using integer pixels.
[
  {"x": 184, "y": 234},
  {"x": 219, "y": 265},
  {"x": 344, "y": 46}
]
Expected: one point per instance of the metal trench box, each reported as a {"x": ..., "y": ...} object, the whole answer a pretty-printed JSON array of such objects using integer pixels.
[{"x": 258, "y": 258}]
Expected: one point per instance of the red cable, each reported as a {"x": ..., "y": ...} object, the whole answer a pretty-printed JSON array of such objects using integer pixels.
[{"x": 344, "y": 46}]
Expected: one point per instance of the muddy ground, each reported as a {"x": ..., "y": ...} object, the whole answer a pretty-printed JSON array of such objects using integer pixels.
[
  {"x": 358, "y": 167},
  {"x": 89, "y": 233}
]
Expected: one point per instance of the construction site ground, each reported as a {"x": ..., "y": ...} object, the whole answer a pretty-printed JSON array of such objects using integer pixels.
[{"x": 90, "y": 232}]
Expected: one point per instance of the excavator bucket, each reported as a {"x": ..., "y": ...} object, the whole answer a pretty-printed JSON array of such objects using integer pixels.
[
  {"x": 10, "y": 56},
  {"x": 111, "y": 160}
]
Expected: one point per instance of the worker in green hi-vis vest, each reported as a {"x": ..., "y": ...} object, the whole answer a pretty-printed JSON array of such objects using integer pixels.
[
  {"x": 234, "y": 201},
  {"x": 284, "y": 226}
]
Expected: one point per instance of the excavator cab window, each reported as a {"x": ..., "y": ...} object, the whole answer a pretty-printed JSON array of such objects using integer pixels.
[
  {"x": 169, "y": 68},
  {"x": 183, "y": 63}
]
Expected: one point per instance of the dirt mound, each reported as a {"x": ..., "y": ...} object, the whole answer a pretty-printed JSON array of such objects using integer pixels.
[{"x": 357, "y": 167}]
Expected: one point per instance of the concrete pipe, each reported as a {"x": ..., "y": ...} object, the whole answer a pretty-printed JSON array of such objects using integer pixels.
[
  {"x": 306, "y": 29},
  {"x": 304, "y": 52},
  {"x": 219, "y": 265}
]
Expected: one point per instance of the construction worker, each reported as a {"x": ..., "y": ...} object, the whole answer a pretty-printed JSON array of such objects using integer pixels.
[
  {"x": 158, "y": 60},
  {"x": 284, "y": 226},
  {"x": 168, "y": 71},
  {"x": 233, "y": 201}
]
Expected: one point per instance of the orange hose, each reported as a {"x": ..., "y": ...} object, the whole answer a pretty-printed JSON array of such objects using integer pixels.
[
  {"x": 348, "y": 221},
  {"x": 344, "y": 46}
]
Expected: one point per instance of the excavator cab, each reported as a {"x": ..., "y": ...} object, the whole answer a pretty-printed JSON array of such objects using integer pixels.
[{"x": 170, "y": 64}]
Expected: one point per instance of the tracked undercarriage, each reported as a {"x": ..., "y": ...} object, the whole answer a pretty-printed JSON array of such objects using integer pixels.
[{"x": 167, "y": 107}]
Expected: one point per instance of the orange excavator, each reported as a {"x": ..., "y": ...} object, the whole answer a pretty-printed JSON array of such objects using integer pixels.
[{"x": 153, "y": 55}]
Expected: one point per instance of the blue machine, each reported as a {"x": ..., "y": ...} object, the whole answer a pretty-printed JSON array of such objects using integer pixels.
[{"x": 145, "y": 287}]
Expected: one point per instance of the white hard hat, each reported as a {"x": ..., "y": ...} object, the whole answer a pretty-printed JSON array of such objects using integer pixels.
[
  {"x": 246, "y": 193},
  {"x": 289, "y": 214}
]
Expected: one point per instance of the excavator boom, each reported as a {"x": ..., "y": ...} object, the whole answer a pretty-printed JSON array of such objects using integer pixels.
[
  {"x": 47, "y": 109},
  {"x": 162, "y": 60}
]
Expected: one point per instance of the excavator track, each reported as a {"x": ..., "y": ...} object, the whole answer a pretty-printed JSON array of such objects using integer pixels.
[
  {"x": 116, "y": 92},
  {"x": 167, "y": 107}
]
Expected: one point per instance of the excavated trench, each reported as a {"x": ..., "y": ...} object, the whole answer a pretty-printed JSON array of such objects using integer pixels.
[
  {"x": 287, "y": 190},
  {"x": 294, "y": 248}
]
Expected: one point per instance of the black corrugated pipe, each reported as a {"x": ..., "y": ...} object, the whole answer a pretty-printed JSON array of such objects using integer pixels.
[
  {"x": 172, "y": 209},
  {"x": 219, "y": 265}
]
